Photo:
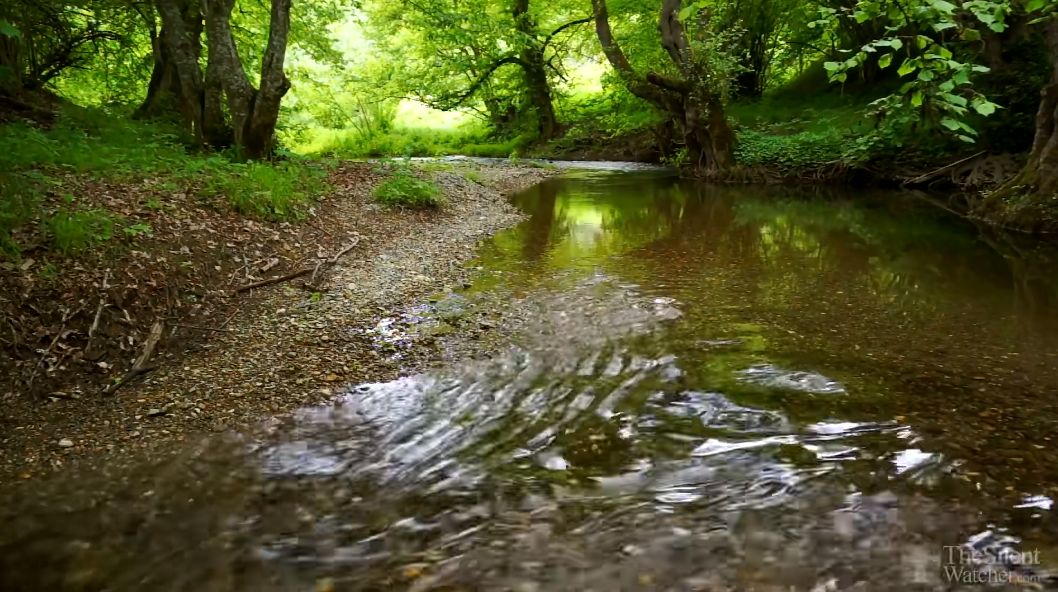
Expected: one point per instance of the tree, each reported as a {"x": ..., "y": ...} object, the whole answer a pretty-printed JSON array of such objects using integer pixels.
[
  {"x": 693, "y": 98},
  {"x": 939, "y": 87},
  {"x": 461, "y": 51},
  {"x": 221, "y": 105},
  {"x": 40, "y": 40},
  {"x": 1020, "y": 200}
]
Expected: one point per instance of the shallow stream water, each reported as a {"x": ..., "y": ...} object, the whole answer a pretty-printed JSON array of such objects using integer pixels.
[{"x": 700, "y": 388}]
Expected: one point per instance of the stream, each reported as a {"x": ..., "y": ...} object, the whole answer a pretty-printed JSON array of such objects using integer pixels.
[{"x": 698, "y": 388}]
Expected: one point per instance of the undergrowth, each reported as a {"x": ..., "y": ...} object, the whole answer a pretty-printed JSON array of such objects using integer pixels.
[
  {"x": 95, "y": 144},
  {"x": 403, "y": 188},
  {"x": 72, "y": 230},
  {"x": 402, "y": 141}
]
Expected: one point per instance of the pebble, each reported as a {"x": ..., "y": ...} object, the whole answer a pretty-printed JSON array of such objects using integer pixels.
[{"x": 65, "y": 443}]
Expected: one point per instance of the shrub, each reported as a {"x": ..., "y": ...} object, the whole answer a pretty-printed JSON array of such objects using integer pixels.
[{"x": 403, "y": 188}]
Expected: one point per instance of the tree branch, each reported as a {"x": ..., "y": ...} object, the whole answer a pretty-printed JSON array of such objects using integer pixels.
[
  {"x": 445, "y": 105},
  {"x": 551, "y": 36}
]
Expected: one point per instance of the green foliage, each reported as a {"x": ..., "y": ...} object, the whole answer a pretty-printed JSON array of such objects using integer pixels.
[
  {"x": 72, "y": 230},
  {"x": 273, "y": 191},
  {"x": 403, "y": 188},
  {"x": 798, "y": 130},
  {"x": 280, "y": 191},
  {"x": 138, "y": 229},
  {"x": 801, "y": 150},
  {"x": 411, "y": 141},
  {"x": 612, "y": 112},
  {"x": 932, "y": 44},
  {"x": 95, "y": 143},
  {"x": 19, "y": 199}
]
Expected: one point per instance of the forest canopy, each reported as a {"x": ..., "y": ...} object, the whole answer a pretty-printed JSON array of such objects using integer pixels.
[{"x": 727, "y": 89}]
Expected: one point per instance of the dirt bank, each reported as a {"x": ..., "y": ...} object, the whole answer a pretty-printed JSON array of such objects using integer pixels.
[{"x": 272, "y": 349}]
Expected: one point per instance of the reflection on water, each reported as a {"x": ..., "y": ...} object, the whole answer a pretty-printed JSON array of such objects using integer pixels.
[{"x": 706, "y": 389}]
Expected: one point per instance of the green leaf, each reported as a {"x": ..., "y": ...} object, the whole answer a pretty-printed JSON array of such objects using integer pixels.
[
  {"x": 942, "y": 6},
  {"x": 9, "y": 30},
  {"x": 896, "y": 44},
  {"x": 925, "y": 75},
  {"x": 907, "y": 67},
  {"x": 965, "y": 138},
  {"x": 885, "y": 60},
  {"x": 831, "y": 66},
  {"x": 971, "y": 35},
  {"x": 1034, "y": 5},
  {"x": 984, "y": 107},
  {"x": 954, "y": 99},
  {"x": 950, "y": 123},
  {"x": 917, "y": 98},
  {"x": 685, "y": 12}
]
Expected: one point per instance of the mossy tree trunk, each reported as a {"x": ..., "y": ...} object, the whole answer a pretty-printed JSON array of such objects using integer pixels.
[
  {"x": 220, "y": 107},
  {"x": 10, "y": 65},
  {"x": 1029, "y": 201},
  {"x": 534, "y": 68},
  {"x": 694, "y": 108}
]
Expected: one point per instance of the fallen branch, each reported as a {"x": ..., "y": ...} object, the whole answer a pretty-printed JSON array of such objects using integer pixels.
[
  {"x": 303, "y": 271},
  {"x": 200, "y": 328},
  {"x": 275, "y": 280},
  {"x": 932, "y": 174},
  {"x": 348, "y": 248},
  {"x": 140, "y": 365}
]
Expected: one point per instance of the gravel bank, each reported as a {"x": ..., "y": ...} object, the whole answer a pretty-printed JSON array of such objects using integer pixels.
[{"x": 287, "y": 346}]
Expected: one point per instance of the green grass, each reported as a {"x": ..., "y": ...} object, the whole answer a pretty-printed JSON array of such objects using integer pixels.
[
  {"x": 281, "y": 191},
  {"x": 19, "y": 202},
  {"x": 403, "y": 188},
  {"x": 404, "y": 141},
  {"x": 112, "y": 147},
  {"x": 72, "y": 230}
]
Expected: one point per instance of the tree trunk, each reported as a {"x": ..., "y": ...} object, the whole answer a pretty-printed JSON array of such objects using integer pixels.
[
  {"x": 176, "y": 64},
  {"x": 694, "y": 108},
  {"x": 10, "y": 65},
  {"x": 531, "y": 59},
  {"x": 1030, "y": 200},
  {"x": 163, "y": 89},
  {"x": 540, "y": 92},
  {"x": 253, "y": 112}
]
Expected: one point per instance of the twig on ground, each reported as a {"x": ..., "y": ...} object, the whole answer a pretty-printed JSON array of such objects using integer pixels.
[
  {"x": 348, "y": 248},
  {"x": 200, "y": 328},
  {"x": 303, "y": 271},
  {"x": 275, "y": 280},
  {"x": 140, "y": 365},
  {"x": 62, "y": 329},
  {"x": 228, "y": 320}
]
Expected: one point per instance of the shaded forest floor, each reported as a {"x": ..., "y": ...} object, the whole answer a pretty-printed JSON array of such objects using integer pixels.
[{"x": 144, "y": 327}]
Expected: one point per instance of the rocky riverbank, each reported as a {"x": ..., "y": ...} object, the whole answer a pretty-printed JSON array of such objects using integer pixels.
[{"x": 284, "y": 345}]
